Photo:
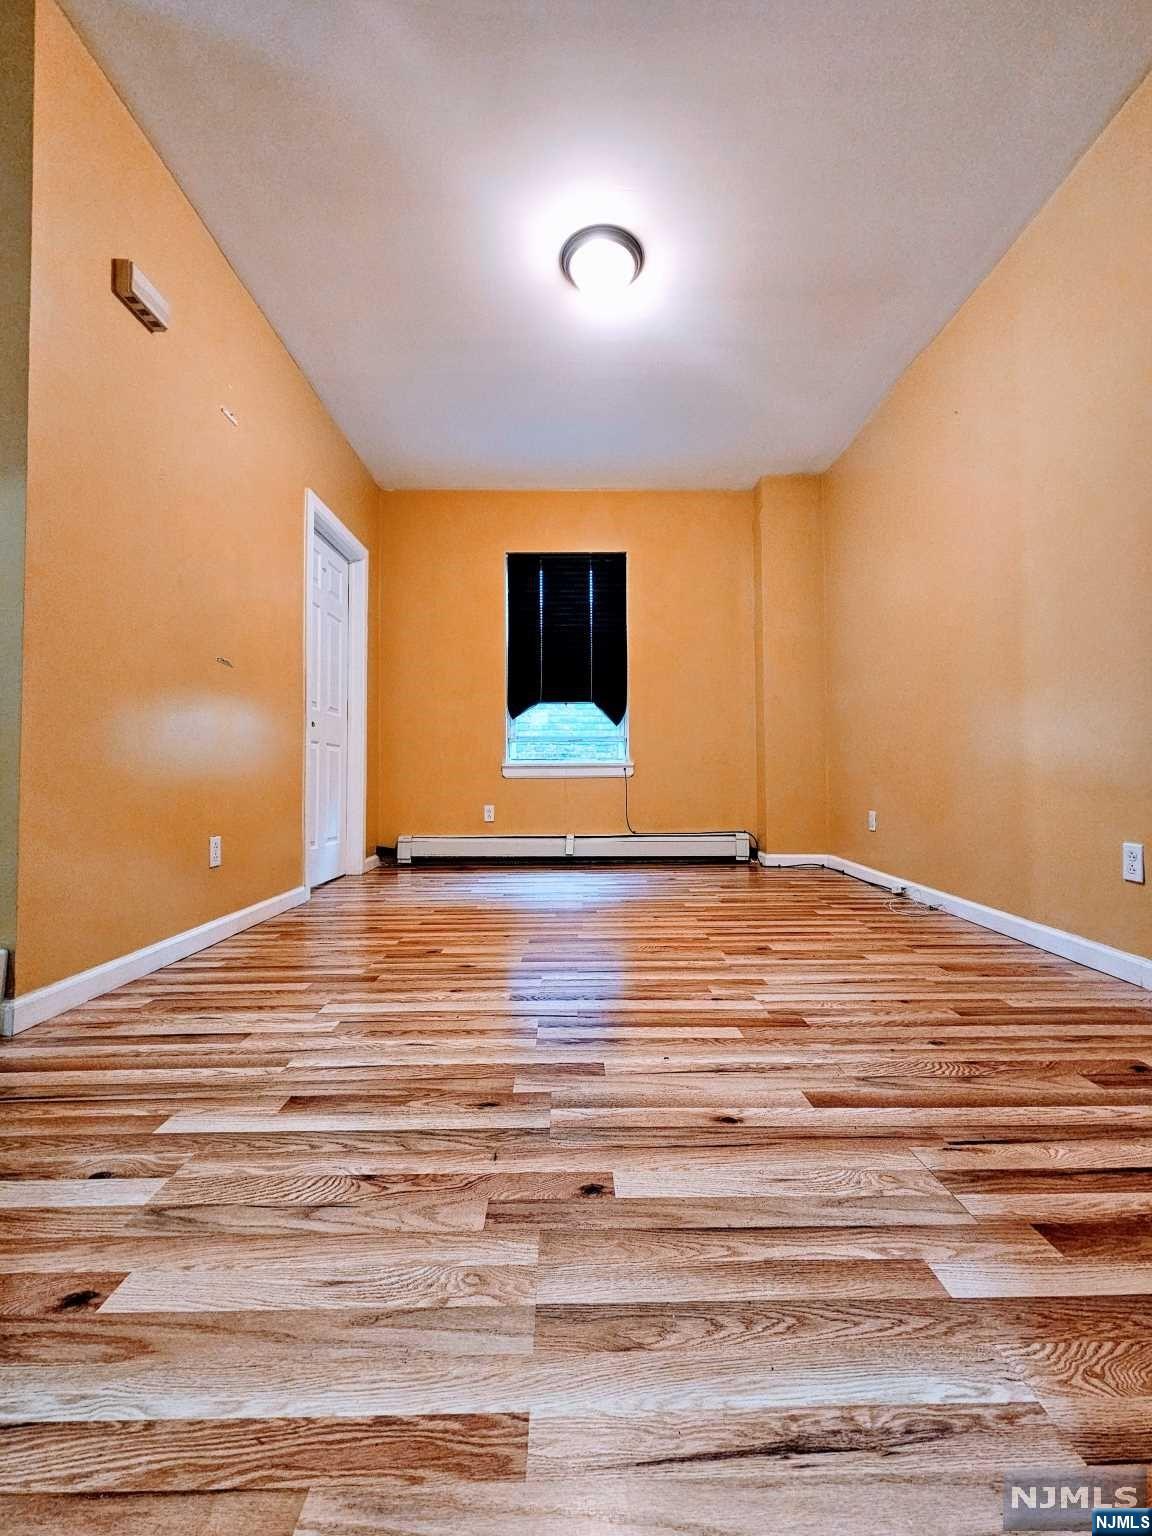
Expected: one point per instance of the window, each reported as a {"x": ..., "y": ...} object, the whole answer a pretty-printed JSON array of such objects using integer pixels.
[{"x": 567, "y": 666}]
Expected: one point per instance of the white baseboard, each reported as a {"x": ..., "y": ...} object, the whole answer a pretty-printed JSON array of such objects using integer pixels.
[
  {"x": 72, "y": 991},
  {"x": 668, "y": 845},
  {"x": 370, "y": 863},
  {"x": 1055, "y": 941}
]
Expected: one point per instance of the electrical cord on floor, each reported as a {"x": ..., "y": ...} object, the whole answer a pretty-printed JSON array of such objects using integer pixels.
[
  {"x": 904, "y": 901},
  {"x": 753, "y": 840}
]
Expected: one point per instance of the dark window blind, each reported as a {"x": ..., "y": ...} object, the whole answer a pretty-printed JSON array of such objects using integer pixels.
[{"x": 567, "y": 632}]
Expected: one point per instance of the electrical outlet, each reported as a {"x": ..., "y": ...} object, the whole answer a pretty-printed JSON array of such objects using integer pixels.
[
  {"x": 871, "y": 821},
  {"x": 1134, "y": 863},
  {"x": 215, "y": 852},
  {"x": 489, "y": 813}
]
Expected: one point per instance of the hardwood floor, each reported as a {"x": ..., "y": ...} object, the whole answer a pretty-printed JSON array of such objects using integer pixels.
[{"x": 642, "y": 1201}]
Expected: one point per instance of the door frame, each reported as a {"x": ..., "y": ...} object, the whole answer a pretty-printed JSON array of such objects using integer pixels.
[{"x": 320, "y": 520}]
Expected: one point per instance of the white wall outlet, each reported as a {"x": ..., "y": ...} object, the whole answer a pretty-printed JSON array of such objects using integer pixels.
[
  {"x": 489, "y": 813},
  {"x": 871, "y": 821},
  {"x": 1134, "y": 863},
  {"x": 215, "y": 852}
]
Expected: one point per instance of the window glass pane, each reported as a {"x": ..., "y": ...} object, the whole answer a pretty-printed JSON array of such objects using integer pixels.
[{"x": 566, "y": 733}]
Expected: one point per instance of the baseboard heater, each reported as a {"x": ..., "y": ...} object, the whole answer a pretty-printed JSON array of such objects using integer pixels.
[{"x": 714, "y": 846}]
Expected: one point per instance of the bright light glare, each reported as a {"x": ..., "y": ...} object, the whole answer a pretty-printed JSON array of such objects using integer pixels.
[{"x": 601, "y": 267}]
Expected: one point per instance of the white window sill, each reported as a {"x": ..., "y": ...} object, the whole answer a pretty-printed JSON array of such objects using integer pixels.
[{"x": 567, "y": 770}]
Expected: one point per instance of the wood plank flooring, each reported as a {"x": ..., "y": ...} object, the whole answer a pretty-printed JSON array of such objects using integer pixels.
[{"x": 570, "y": 1202}]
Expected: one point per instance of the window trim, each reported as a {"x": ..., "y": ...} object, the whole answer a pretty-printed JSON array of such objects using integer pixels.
[{"x": 521, "y": 770}]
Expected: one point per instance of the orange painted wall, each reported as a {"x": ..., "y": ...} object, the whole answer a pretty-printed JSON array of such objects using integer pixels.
[
  {"x": 159, "y": 538},
  {"x": 691, "y": 656},
  {"x": 989, "y": 563},
  {"x": 792, "y": 752}
]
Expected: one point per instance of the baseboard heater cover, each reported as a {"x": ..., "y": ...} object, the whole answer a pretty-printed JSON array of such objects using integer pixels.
[{"x": 645, "y": 845}]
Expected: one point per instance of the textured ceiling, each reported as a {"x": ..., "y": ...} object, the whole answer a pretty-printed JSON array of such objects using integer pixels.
[{"x": 818, "y": 185}]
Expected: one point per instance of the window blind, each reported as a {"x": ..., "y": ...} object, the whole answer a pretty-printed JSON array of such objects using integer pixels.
[{"x": 567, "y": 632}]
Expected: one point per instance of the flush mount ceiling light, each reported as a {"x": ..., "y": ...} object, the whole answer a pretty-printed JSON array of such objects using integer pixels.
[{"x": 602, "y": 259}]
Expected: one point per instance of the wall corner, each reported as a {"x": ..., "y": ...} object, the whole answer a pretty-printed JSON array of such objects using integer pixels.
[{"x": 791, "y": 687}]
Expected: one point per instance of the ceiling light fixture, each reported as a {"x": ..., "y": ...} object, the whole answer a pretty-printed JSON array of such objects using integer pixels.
[{"x": 601, "y": 260}]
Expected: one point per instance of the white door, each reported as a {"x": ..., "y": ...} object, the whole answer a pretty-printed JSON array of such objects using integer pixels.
[{"x": 327, "y": 776}]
